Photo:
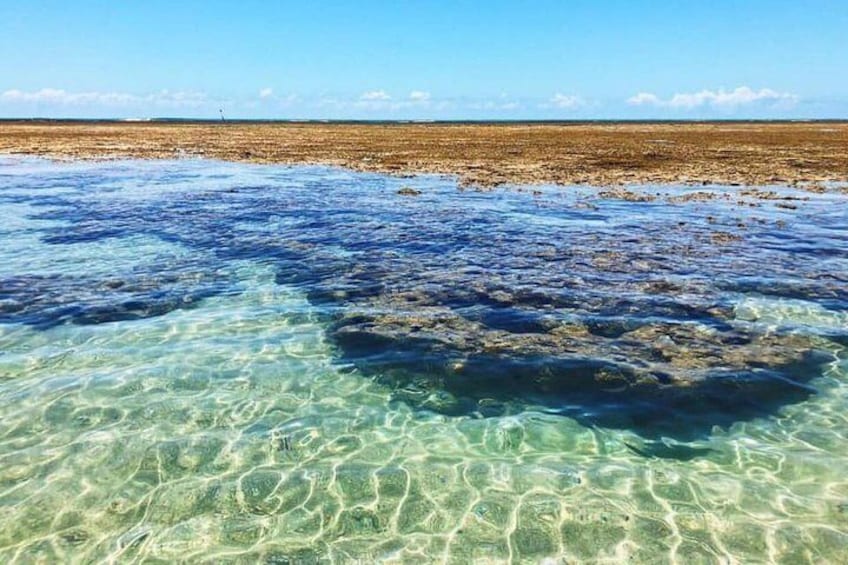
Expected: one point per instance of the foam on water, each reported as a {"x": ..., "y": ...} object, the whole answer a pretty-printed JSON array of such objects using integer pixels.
[{"x": 222, "y": 420}]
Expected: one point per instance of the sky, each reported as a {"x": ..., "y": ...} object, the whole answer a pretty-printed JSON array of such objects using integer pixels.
[{"x": 396, "y": 59}]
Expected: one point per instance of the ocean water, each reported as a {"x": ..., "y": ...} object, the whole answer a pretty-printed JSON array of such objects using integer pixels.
[{"x": 202, "y": 361}]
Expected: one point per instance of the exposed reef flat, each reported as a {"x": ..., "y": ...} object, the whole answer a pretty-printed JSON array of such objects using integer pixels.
[{"x": 805, "y": 154}]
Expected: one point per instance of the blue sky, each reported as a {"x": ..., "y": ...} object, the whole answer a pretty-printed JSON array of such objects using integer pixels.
[{"x": 425, "y": 60}]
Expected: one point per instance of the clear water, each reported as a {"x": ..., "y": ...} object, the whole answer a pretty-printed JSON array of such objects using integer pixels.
[{"x": 234, "y": 363}]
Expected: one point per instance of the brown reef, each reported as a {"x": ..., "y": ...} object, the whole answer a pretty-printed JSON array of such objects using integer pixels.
[{"x": 803, "y": 153}]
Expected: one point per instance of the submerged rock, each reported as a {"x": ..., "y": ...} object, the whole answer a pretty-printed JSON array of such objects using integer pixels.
[
  {"x": 620, "y": 310},
  {"x": 637, "y": 377},
  {"x": 45, "y": 301}
]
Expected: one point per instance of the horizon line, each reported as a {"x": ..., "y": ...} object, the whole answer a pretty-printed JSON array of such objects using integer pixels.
[{"x": 423, "y": 121}]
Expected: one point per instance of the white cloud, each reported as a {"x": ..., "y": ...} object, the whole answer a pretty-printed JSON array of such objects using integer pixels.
[
  {"x": 63, "y": 97},
  {"x": 59, "y": 96},
  {"x": 379, "y": 101},
  {"x": 494, "y": 105},
  {"x": 564, "y": 101},
  {"x": 721, "y": 98},
  {"x": 182, "y": 98},
  {"x": 373, "y": 95},
  {"x": 644, "y": 98},
  {"x": 266, "y": 93}
]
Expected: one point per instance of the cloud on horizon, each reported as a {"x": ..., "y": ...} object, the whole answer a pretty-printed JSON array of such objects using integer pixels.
[
  {"x": 380, "y": 103},
  {"x": 111, "y": 99},
  {"x": 416, "y": 103},
  {"x": 566, "y": 102},
  {"x": 721, "y": 98},
  {"x": 375, "y": 95}
]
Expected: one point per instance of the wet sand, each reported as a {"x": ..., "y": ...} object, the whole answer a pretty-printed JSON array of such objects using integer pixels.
[{"x": 613, "y": 154}]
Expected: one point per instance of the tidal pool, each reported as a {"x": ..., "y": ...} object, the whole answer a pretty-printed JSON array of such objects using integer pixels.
[{"x": 243, "y": 363}]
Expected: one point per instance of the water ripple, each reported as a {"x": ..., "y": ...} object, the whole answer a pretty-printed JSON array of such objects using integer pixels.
[{"x": 230, "y": 362}]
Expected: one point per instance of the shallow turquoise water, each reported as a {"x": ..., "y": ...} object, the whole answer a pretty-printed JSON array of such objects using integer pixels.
[{"x": 209, "y": 361}]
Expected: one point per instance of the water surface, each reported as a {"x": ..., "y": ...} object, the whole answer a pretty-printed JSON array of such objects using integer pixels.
[{"x": 201, "y": 360}]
